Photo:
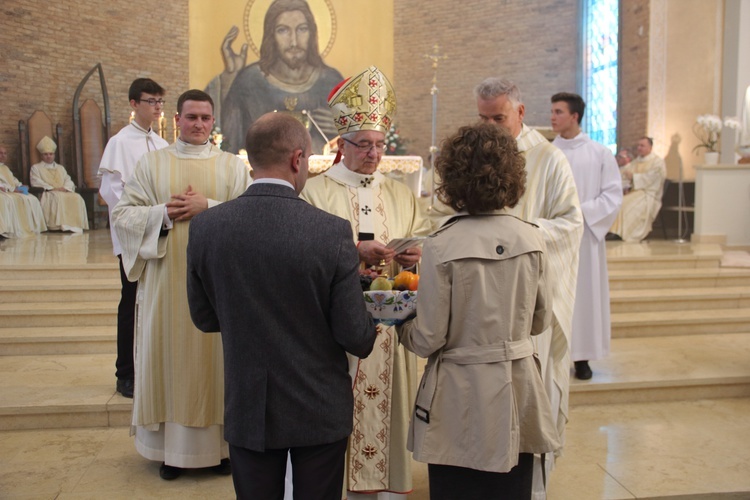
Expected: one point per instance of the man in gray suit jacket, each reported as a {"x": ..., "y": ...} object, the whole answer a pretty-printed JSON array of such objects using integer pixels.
[{"x": 279, "y": 278}]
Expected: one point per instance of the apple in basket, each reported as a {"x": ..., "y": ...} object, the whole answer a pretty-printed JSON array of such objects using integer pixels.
[{"x": 406, "y": 280}]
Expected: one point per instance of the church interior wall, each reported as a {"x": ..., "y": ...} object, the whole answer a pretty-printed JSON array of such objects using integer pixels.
[
  {"x": 531, "y": 43},
  {"x": 507, "y": 38},
  {"x": 632, "y": 110},
  {"x": 48, "y": 47},
  {"x": 693, "y": 74}
]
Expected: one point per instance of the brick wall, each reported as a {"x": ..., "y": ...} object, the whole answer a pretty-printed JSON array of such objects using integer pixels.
[
  {"x": 634, "y": 57},
  {"x": 531, "y": 42},
  {"x": 46, "y": 48}
]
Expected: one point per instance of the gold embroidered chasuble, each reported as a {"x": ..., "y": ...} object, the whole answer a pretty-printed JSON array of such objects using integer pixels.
[
  {"x": 385, "y": 385},
  {"x": 179, "y": 369},
  {"x": 20, "y": 214},
  {"x": 63, "y": 210}
]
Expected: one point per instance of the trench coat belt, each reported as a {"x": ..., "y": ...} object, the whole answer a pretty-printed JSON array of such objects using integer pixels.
[{"x": 472, "y": 355}]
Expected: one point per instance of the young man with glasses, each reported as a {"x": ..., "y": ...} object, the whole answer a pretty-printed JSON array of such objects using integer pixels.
[
  {"x": 379, "y": 210},
  {"x": 122, "y": 153}
]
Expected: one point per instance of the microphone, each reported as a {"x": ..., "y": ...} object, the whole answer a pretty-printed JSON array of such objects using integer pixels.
[{"x": 312, "y": 120}]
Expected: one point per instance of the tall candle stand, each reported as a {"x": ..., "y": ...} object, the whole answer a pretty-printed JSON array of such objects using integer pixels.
[{"x": 435, "y": 57}]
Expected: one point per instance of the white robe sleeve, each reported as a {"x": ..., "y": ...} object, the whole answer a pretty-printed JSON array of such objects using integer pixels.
[
  {"x": 599, "y": 213},
  {"x": 137, "y": 220},
  {"x": 111, "y": 187}
]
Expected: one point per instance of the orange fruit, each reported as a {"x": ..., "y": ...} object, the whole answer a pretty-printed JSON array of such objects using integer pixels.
[
  {"x": 414, "y": 284},
  {"x": 406, "y": 280}
]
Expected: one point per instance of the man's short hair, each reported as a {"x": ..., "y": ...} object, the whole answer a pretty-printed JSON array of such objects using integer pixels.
[
  {"x": 141, "y": 85},
  {"x": 194, "y": 95},
  {"x": 493, "y": 87},
  {"x": 269, "y": 52},
  {"x": 575, "y": 103},
  {"x": 649, "y": 139},
  {"x": 272, "y": 138}
]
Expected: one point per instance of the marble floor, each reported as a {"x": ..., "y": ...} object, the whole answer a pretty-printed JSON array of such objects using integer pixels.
[
  {"x": 687, "y": 449},
  {"x": 696, "y": 449}
]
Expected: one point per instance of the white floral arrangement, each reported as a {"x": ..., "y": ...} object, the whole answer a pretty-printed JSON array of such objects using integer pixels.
[{"x": 707, "y": 128}]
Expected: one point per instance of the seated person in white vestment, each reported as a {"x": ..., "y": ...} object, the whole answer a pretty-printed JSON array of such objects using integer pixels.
[
  {"x": 20, "y": 212},
  {"x": 64, "y": 209},
  {"x": 642, "y": 202},
  {"x": 623, "y": 158}
]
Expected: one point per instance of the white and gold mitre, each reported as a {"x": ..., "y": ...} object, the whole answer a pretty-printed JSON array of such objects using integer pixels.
[
  {"x": 46, "y": 145},
  {"x": 363, "y": 102}
]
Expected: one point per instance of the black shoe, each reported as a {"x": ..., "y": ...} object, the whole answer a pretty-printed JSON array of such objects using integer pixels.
[
  {"x": 169, "y": 472},
  {"x": 612, "y": 237},
  {"x": 583, "y": 371},
  {"x": 125, "y": 387},
  {"x": 224, "y": 468}
]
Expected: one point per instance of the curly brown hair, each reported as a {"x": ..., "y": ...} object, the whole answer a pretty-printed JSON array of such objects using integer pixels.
[{"x": 481, "y": 169}]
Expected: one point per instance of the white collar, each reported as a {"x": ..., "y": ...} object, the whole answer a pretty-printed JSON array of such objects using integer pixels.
[
  {"x": 192, "y": 149},
  {"x": 271, "y": 180},
  {"x": 342, "y": 174},
  {"x": 141, "y": 129}
]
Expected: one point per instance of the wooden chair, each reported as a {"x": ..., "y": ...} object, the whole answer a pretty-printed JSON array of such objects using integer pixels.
[
  {"x": 30, "y": 132},
  {"x": 90, "y": 135}
]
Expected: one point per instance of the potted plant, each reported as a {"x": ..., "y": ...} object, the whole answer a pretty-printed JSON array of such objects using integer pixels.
[{"x": 707, "y": 128}]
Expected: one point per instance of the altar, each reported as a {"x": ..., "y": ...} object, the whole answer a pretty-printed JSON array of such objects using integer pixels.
[
  {"x": 722, "y": 204},
  {"x": 407, "y": 169}
]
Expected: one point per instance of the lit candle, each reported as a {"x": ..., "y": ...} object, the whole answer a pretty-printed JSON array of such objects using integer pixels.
[
  {"x": 132, "y": 116},
  {"x": 174, "y": 127},
  {"x": 162, "y": 126}
]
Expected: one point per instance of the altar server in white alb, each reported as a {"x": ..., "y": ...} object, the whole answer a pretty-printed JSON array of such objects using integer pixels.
[
  {"x": 379, "y": 210},
  {"x": 550, "y": 202},
  {"x": 122, "y": 153},
  {"x": 20, "y": 212},
  {"x": 178, "y": 405},
  {"x": 63, "y": 208},
  {"x": 597, "y": 178},
  {"x": 642, "y": 201}
]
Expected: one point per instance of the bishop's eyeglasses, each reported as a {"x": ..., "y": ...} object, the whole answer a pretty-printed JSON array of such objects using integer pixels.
[{"x": 365, "y": 147}]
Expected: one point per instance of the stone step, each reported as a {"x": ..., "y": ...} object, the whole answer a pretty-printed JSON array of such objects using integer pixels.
[
  {"x": 663, "y": 262},
  {"x": 59, "y": 290},
  {"x": 668, "y": 369},
  {"x": 58, "y": 340},
  {"x": 662, "y": 255},
  {"x": 108, "y": 270},
  {"x": 678, "y": 278},
  {"x": 78, "y": 390},
  {"x": 674, "y": 299},
  {"x": 62, "y": 391},
  {"x": 668, "y": 323},
  {"x": 58, "y": 314}
]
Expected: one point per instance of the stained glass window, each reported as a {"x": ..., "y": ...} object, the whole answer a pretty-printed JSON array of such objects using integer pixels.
[{"x": 601, "y": 26}]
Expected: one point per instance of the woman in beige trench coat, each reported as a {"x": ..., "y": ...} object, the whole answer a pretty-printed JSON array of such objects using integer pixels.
[{"x": 481, "y": 410}]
